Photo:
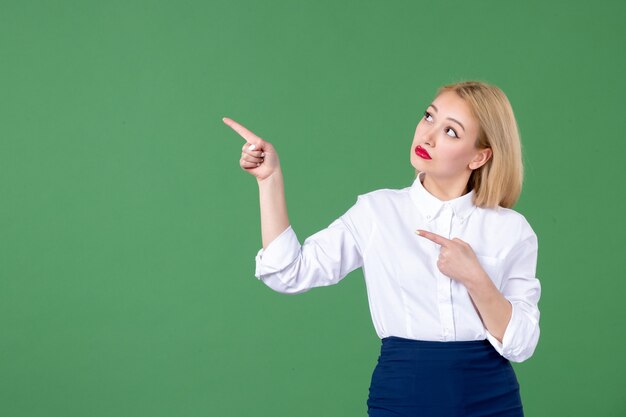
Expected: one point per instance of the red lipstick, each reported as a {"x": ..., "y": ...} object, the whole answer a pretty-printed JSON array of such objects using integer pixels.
[{"x": 421, "y": 152}]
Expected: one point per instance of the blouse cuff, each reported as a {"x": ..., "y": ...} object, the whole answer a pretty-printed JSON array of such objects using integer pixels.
[
  {"x": 503, "y": 348},
  {"x": 279, "y": 254}
]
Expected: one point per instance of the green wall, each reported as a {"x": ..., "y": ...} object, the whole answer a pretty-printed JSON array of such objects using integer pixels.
[{"x": 128, "y": 230}]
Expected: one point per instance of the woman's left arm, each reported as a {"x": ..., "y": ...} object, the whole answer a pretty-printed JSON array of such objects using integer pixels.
[
  {"x": 494, "y": 309},
  {"x": 511, "y": 317}
]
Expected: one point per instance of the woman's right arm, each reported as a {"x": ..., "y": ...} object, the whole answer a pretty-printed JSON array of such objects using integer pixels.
[
  {"x": 283, "y": 263},
  {"x": 259, "y": 158},
  {"x": 274, "y": 219}
]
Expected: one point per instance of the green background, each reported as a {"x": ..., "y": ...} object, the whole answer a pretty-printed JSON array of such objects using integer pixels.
[{"x": 128, "y": 229}]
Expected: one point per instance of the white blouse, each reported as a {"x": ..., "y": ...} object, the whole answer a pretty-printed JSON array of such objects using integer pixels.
[{"x": 408, "y": 296}]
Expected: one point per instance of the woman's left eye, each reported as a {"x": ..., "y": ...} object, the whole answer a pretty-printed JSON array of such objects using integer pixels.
[{"x": 455, "y": 135}]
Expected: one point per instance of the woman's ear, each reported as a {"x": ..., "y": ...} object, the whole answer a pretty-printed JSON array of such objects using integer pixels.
[{"x": 481, "y": 158}]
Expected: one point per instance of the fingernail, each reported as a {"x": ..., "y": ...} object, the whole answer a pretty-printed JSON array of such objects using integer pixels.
[
  {"x": 417, "y": 232},
  {"x": 252, "y": 147},
  {"x": 262, "y": 153}
]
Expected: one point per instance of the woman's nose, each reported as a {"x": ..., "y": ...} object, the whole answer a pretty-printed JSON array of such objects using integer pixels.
[{"x": 430, "y": 137}]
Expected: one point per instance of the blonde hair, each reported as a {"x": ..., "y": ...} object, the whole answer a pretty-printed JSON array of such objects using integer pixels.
[{"x": 499, "y": 181}]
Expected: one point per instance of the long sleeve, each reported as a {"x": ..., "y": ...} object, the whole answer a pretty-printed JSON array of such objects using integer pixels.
[
  {"x": 323, "y": 259},
  {"x": 523, "y": 290}
]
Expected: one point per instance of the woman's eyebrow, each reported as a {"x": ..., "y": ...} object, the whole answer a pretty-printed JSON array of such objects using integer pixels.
[{"x": 449, "y": 118}]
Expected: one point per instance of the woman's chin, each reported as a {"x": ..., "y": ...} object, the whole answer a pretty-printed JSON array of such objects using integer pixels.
[{"x": 417, "y": 163}]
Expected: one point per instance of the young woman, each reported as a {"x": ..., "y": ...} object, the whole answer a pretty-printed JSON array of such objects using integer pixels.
[{"x": 449, "y": 266}]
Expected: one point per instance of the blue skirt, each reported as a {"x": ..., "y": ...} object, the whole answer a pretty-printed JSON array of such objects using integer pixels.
[{"x": 437, "y": 379}]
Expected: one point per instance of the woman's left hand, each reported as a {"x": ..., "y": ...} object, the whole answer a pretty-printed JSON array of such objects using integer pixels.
[{"x": 456, "y": 259}]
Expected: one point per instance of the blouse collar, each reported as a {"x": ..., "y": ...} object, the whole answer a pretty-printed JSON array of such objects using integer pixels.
[{"x": 430, "y": 206}]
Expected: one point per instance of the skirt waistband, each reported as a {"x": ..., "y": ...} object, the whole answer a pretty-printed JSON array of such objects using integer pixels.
[
  {"x": 395, "y": 341},
  {"x": 471, "y": 350}
]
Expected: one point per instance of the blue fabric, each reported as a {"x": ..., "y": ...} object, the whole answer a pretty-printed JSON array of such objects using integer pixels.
[{"x": 436, "y": 379}]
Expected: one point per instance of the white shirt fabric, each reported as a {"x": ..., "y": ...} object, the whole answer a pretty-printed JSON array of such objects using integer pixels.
[{"x": 408, "y": 296}]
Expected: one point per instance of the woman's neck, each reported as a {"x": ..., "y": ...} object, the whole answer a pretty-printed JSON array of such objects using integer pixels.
[{"x": 445, "y": 190}]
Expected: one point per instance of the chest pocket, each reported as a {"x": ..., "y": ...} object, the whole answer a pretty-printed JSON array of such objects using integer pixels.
[{"x": 493, "y": 267}]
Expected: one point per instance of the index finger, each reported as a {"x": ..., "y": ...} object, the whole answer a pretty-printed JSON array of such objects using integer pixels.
[
  {"x": 243, "y": 132},
  {"x": 440, "y": 240}
]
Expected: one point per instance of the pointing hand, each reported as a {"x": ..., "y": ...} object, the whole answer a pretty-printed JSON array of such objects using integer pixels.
[
  {"x": 258, "y": 157},
  {"x": 457, "y": 259}
]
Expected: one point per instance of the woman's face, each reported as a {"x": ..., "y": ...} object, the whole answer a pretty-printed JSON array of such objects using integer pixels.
[{"x": 444, "y": 143}]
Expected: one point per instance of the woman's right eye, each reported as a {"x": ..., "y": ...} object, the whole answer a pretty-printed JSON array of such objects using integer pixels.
[{"x": 427, "y": 115}]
